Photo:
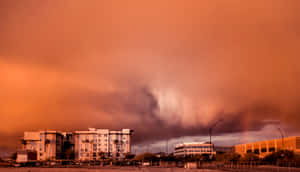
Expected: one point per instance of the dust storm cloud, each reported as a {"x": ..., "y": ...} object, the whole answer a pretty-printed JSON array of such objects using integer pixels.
[{"x": 162, "y": 68}]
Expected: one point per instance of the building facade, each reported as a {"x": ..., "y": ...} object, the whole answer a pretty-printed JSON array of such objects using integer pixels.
[
  {"x": 266, "y": 147},
  {"x": 46, "y": 144},
  {"x": 96, "y": 144},
  {"x": 194, "y": 148}
]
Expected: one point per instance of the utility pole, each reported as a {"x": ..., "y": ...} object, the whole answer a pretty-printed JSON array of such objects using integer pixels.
[
  {"x": 282, "y": 137},
  {"x": 167, "y": 147},
  {"x": 210, "y": 133}
]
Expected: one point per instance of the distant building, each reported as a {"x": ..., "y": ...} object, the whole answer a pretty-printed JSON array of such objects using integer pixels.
[
  {"x": 95, "y": 144},
  {"x": 266, "y": 147},
  {"x": 46, "y": 144},
  {"x": 194, "y": 148}
]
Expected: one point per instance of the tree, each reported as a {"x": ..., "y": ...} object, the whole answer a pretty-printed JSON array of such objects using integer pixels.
[
  {"x": 129, "y": 156},
  {"x": 283, "y": 155},
  {"x": 68, "y": 152},
  {"x": 14, "y": 156},
  {"x": 250, "y": 157},
  {"x": 232, "y": 157},
  {"x": 101, "y": 155},
  {"x": 146, "y": 157}
]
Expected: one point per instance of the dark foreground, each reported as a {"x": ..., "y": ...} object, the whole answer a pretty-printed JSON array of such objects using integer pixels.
[{"x": 149, "y": 169}]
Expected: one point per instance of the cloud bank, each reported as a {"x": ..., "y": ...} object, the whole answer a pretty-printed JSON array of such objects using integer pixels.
[{"x": 165, "y": 69}]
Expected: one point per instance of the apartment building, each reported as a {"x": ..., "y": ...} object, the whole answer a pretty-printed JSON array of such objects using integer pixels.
[
  {"x": 266, "y": 147},
  {"x": 47, "y": 145},
  {"x": 95, "y": 144},
  {"x": 194, "y": 148}
]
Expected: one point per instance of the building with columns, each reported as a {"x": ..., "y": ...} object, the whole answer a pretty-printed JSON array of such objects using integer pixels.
[{"x": 266, "y": 147}]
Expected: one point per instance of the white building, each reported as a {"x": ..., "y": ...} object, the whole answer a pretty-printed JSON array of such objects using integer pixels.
[
  {"x": 194, "y": 148},
  {"x": 94, "y": 144},
  {"x": 46, "y": 144}
]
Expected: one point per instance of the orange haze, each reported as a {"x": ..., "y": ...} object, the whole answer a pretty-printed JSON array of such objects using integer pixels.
[{"x": 164, "y": 68}]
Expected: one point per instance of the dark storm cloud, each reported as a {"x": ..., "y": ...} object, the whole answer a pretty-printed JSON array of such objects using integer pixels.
[
  {"x": 166, "y": 69},
  {"x": 141, "y": 104}
]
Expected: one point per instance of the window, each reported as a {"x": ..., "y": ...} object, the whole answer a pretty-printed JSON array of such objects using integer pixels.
[
  {"x": 249, "y": 151},
  {"x": 86, "y": 147},
  {"x": 256, "y": 151},
  {"x": 263, "y": 150},
  {"x": 271, "y": 149}
]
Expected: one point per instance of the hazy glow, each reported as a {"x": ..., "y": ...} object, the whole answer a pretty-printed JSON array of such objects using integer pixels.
[{"x": 166, "y": 69}]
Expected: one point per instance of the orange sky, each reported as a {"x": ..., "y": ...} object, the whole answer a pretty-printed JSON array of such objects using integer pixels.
[{"x": 70, "y": 65}]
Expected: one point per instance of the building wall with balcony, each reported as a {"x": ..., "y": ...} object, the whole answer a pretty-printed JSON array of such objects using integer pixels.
[
  {"x": 95, "y": 144},
  {"x": 46, "y": 144}
]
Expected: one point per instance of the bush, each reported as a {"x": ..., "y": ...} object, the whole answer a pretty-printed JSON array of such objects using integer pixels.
[
  {"x": 250, "y": 157},
  {"x": 232, "y": 157},
  {"x": 283, "y": 155},
  {"x": 129, "y": 156},
  {"x": 146, "y": 157}
]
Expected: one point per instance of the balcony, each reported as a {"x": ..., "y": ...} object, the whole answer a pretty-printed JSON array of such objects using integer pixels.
[{"x": 85, "y": 141}]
